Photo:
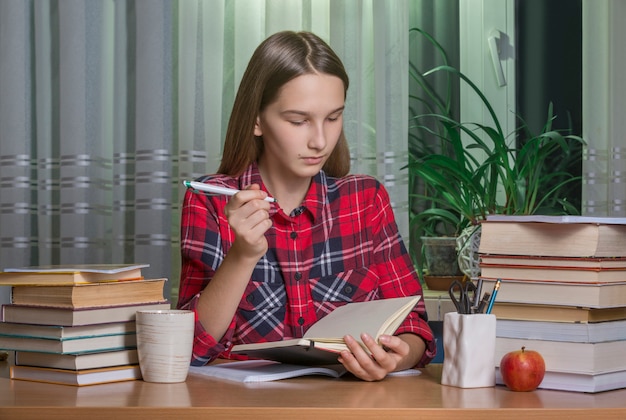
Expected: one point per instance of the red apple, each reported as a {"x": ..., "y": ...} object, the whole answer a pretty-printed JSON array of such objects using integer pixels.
[{"x": 522, "y": 370}]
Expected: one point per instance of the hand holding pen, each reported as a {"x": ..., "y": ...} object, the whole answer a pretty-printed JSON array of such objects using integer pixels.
[
  {"x": 216, "y": 189},
  {"x": 249, "y": 223}
]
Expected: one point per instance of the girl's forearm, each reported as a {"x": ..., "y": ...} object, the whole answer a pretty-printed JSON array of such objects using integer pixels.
[{"x": 219, "y": 300}]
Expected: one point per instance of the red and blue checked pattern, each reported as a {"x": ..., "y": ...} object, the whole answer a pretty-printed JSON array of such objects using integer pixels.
[{"x": 342, "y": 245}]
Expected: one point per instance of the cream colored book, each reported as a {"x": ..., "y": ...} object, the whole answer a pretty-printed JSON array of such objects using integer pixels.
[
  {"x": 554, "y": 236},
  {"x": 595, "y": 332},
  {"x": 579, "y": 382},
  {"x": 90, "y": 295},
  {"x": 597, "y": 263},
  {"x": 77, "y": 361},
  {"x": 569, "y": 356},
  {"x": 586, "y": 295},
  {"x": 76, "y": 377},
  {"x": 321, "y": 344},
  {"x": 70, "y": 274},
  {"x": 556, "y": 313},
  {"x": 87, "y": 343}
]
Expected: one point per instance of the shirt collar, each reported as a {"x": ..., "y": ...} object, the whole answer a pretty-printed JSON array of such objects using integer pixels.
[
  {"x": 316, "y": 197},
  {"x": 314, "y": 200}
]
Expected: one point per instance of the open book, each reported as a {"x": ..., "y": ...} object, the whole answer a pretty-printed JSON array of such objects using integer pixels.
[
  {"x": 321, "y": 343},
  {"x": 254, "y": 371}
]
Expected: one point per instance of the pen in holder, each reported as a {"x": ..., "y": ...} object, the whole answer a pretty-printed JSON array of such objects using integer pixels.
[{"x": 469, "y": 347}]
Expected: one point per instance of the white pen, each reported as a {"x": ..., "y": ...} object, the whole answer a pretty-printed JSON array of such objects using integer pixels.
[{"x": 215, "y": 189}]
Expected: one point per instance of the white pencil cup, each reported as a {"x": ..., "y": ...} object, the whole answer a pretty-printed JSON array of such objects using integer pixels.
[{"x": 469, "y": 346}]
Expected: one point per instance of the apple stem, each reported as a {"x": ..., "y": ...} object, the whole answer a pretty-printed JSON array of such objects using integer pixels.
[{"x": 523, "y": 349}]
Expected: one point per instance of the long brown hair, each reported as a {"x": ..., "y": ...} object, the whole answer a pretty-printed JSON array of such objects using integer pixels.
[{"x": 277, "y": 60}]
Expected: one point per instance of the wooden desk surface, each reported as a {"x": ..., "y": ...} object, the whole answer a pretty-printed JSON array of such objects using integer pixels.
[{"x": 303, "y": 398}]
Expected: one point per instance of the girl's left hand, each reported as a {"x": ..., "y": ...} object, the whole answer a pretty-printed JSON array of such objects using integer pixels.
[{"x": 396, "y": 354}]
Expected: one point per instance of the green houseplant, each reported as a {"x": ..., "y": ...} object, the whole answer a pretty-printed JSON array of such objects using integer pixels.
[{"x": 463, "y": 171}]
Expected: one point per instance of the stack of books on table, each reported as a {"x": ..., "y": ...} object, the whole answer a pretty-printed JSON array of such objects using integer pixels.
[
  {"x": 563, "y": 294},
  {"x": 75, "y": 325}
]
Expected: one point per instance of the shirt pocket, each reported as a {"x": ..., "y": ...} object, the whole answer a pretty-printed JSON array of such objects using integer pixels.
[
  {"x": 263, "y": 296},
  {"x": 265, "y": 290},
  {"x": 261, "y": 312},
  {"x": 355, "y": 285}
]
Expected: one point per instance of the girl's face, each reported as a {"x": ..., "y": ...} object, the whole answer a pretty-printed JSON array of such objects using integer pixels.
[{"x": 302, "y": 126}]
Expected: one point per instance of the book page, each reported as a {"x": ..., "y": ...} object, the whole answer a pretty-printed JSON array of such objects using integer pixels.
[{"x": 374, "y": 317}]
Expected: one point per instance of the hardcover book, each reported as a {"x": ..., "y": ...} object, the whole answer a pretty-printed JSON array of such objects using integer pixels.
[
  {"x": 555, "y": 236},
  {"x": 70, "y": 274},
  {"x": 597, "y": 263},
  {"x": 77, "y": 361},
  {"x": 91, "y": 294},
  {"x": 321, "y": 344},
  {"x": 558, "y": 274},
  {"x": 72, "y": 345},
  {"x": 579, "y": 382},
  {"x": 570, "y": 357},
  {"x": 556, "y": 313},
  {"x": 76, "y": 377},
  {"x": 42, "y": 315},
  {"x": 599, "y": 295},
  {"x": 560, "y": 331},
  {"x": 58, "y": 332}
]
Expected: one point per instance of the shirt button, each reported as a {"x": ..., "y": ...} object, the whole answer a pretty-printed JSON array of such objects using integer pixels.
[
  {"x": 348, "y": 289},
  {"x": 297, "y": 276},
  {"x": 300, "y": 321},
  {"x": 250, "y": 298},
  {"x": 293, "y": 235}
]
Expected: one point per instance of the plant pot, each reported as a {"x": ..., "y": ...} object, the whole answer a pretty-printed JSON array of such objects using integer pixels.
[
  {"x": 441, "y": 282},
  {"x": 440, "y": 256},
  {"x": 467, "y": 245}
]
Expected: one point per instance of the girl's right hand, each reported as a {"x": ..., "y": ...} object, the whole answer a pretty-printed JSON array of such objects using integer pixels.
[{"x": 248, "y": 215}]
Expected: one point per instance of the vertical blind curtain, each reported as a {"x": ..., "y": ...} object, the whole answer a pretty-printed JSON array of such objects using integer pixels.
[
  {"x": 604, "y": 107},
  {"x": 106, "y": 105}
]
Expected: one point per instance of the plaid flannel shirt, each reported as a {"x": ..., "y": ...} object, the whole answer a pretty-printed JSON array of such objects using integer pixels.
[{"x": 342, "y": 245}]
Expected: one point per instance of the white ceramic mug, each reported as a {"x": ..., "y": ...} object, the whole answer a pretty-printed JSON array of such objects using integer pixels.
[{"x": 164, "y": 343}]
